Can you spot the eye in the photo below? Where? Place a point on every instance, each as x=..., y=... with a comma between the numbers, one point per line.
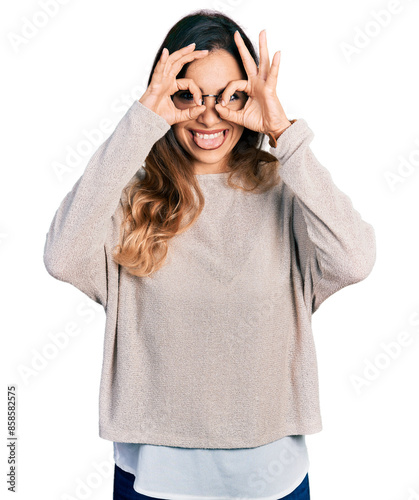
x=186, y=96
x=237, y=96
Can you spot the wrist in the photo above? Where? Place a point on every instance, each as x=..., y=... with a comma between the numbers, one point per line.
x=275, y=134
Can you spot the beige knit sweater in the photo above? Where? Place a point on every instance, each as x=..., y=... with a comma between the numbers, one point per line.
x=216, y=349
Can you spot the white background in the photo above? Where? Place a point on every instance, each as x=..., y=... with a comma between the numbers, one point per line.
x=355, y=80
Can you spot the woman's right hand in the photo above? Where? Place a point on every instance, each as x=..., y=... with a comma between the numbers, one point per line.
x=164, y=84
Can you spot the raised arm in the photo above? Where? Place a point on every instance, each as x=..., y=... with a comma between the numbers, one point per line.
x=335, y=246
x=74, y=248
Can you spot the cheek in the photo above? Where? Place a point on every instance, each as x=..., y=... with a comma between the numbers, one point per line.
x=184, y=133
x=237, y=132
x=179, y=134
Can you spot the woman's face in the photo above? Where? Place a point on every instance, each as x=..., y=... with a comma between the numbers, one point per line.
x=212, y=74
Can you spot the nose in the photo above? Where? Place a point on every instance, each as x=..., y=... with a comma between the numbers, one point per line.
x=210, y=116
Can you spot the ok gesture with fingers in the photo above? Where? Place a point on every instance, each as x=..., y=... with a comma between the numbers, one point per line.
x=164, y=83
x=263, y=111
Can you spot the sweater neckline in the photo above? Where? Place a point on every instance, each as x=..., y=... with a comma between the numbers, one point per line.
x=216, y=175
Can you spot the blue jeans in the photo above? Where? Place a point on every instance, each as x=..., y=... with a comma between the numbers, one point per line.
x=123, y=488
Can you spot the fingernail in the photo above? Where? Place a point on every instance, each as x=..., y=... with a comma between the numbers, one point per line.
x=223, y=102
x=190, y=45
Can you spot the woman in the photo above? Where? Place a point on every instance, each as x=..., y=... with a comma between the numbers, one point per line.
x=209, y=261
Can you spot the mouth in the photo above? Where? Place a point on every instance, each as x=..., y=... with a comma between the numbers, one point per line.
x=208, y=141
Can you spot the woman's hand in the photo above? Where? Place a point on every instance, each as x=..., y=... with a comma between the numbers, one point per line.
x=164, y=84
x=263, y=111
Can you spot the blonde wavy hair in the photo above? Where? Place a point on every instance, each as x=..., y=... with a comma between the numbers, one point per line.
x=167, y=200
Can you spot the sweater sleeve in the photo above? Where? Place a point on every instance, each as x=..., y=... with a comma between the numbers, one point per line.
x=335, y=247
x=74, y=249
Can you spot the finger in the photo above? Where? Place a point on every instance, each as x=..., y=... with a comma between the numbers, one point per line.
x=181, y=52
x=230, y=115
x=191, y=113
x=196, y=91
x=264, y=55
x=196, y=111
x=178, y=54
x=189, y=84
x=232, y=87
x=164, y=55
x=162, y=61
x=173, y=68
x=272, y=79
x=248, y=61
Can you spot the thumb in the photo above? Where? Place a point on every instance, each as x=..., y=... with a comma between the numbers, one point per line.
x=192, y=113
x=226, y=113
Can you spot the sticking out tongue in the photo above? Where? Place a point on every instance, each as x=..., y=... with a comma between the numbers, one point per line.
x=209, y=143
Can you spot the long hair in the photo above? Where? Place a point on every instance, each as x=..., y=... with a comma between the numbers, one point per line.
x=168, y=192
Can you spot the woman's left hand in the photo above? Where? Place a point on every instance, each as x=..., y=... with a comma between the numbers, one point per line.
x=263, y=111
